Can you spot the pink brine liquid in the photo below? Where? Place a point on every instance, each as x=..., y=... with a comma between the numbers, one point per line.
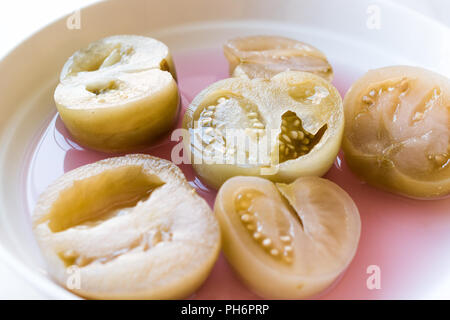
x=408, y=240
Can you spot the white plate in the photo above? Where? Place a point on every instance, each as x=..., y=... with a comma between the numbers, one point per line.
x=349, y=32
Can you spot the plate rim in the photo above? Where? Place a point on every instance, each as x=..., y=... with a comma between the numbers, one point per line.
x=42, y=283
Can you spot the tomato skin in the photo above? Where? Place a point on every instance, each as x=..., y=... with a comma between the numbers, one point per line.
x=385, y=141
x=392, y=180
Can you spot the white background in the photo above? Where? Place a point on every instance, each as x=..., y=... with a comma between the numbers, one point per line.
x=21, y=18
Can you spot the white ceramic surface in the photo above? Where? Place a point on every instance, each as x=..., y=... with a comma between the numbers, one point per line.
x=339, y=28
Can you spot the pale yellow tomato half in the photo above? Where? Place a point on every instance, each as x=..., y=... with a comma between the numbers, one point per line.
x=397, y=130
x=287, y=241
x=128, y=227
x=266, y=56
x=280, y=129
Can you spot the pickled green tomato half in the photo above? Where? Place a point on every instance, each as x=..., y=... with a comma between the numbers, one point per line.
x=287, y=241
x=266, y=56
x=397, y=130
x=119, y=93
x=132, y=228
x=280, y=129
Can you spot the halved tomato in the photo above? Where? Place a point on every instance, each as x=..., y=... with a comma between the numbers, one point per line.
x=287, y=241
x=397, y=130
x=281, y=129
x=266, y=56
x=131, y=227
